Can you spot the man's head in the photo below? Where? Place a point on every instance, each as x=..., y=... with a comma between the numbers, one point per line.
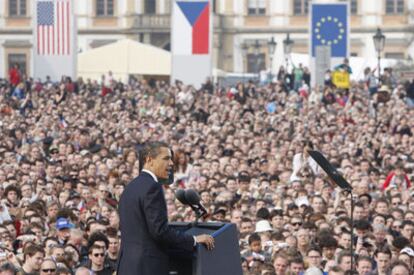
x=314, y=256
x=328, y=245
x=7, y=269
x=383, y=257
x=280, y=264
x=246, y=226
x=296, y=265
x=33, y=256
x=57, y=252
x=407, y=229
x=255, y=243
x=113, y=239
x=97, y=255
x=336, y=270
x=157, y=158
x=399, y=268
x=63, y=227
x=364, y=265
x=406, y=255
x=83, y=271
x=48, y=267
x=344, y=260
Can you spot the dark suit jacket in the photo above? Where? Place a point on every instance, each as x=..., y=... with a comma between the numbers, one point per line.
x=145, y=234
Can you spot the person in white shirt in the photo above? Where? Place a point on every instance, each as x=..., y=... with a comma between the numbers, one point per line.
x=302, y=160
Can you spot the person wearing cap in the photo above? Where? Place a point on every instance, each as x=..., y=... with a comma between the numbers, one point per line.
x=63, y=227
x=383, y=95
x=407, y=256
x=53, y=153
x=145, y=233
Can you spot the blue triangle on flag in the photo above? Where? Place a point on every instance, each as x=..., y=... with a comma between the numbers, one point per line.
x=192, y=10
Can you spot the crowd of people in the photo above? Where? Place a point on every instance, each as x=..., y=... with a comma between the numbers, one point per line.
x=68, y=149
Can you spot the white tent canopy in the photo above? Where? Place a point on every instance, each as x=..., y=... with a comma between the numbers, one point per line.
x=124, y=57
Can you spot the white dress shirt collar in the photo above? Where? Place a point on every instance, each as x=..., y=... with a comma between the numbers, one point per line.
x=151, y=174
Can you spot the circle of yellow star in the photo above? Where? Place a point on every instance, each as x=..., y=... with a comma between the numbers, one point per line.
x=328, y=41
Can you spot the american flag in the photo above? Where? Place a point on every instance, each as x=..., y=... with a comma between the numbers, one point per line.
x=53, y=27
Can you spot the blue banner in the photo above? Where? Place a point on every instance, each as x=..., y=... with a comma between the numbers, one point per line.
x=330, y=28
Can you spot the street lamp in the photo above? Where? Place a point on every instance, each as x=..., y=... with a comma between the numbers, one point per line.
x=287, y=49
x=379, y=42
x=244, y=48
x=271, y=44
x=256, y=48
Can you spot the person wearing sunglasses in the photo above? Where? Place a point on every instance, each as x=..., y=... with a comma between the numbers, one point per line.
x=97, y=259
x=48, y=267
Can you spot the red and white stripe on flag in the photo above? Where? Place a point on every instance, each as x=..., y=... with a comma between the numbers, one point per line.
x=53, y=27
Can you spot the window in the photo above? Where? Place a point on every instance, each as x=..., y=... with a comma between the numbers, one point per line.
x=394, y=6
x=256, y=63
x=104, y=7
x=353, y=4
x=213, y=6
x=300, y=7
x=19, y=59
x=256, y=7
x=394, y=55
x=17, y=7
x=168, y=7
x=150, y=6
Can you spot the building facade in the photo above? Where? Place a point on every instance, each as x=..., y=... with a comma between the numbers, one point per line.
x=237, y=23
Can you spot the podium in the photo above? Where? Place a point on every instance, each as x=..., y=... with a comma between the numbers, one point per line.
x=224, y=259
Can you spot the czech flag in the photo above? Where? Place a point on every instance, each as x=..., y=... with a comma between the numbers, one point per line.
x=191, y=28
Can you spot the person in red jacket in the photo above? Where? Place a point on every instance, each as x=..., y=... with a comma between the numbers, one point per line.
x=15, y=75
x=397, y=178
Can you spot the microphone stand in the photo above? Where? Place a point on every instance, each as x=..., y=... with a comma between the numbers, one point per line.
x=199, y=214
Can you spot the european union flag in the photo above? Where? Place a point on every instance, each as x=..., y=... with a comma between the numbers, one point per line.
x=330, y=28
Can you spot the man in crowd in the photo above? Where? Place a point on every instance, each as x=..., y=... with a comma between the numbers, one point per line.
x=65, y=163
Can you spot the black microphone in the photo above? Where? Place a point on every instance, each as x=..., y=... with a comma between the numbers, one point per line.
x=193, y=200
x=180, y=195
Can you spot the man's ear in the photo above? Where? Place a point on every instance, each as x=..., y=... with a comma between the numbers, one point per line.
x=148, y=161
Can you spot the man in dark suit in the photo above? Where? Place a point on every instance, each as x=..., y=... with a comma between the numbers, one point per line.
x=145, y=233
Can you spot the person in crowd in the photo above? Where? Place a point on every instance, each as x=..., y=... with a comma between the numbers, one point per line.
x=66, y=161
